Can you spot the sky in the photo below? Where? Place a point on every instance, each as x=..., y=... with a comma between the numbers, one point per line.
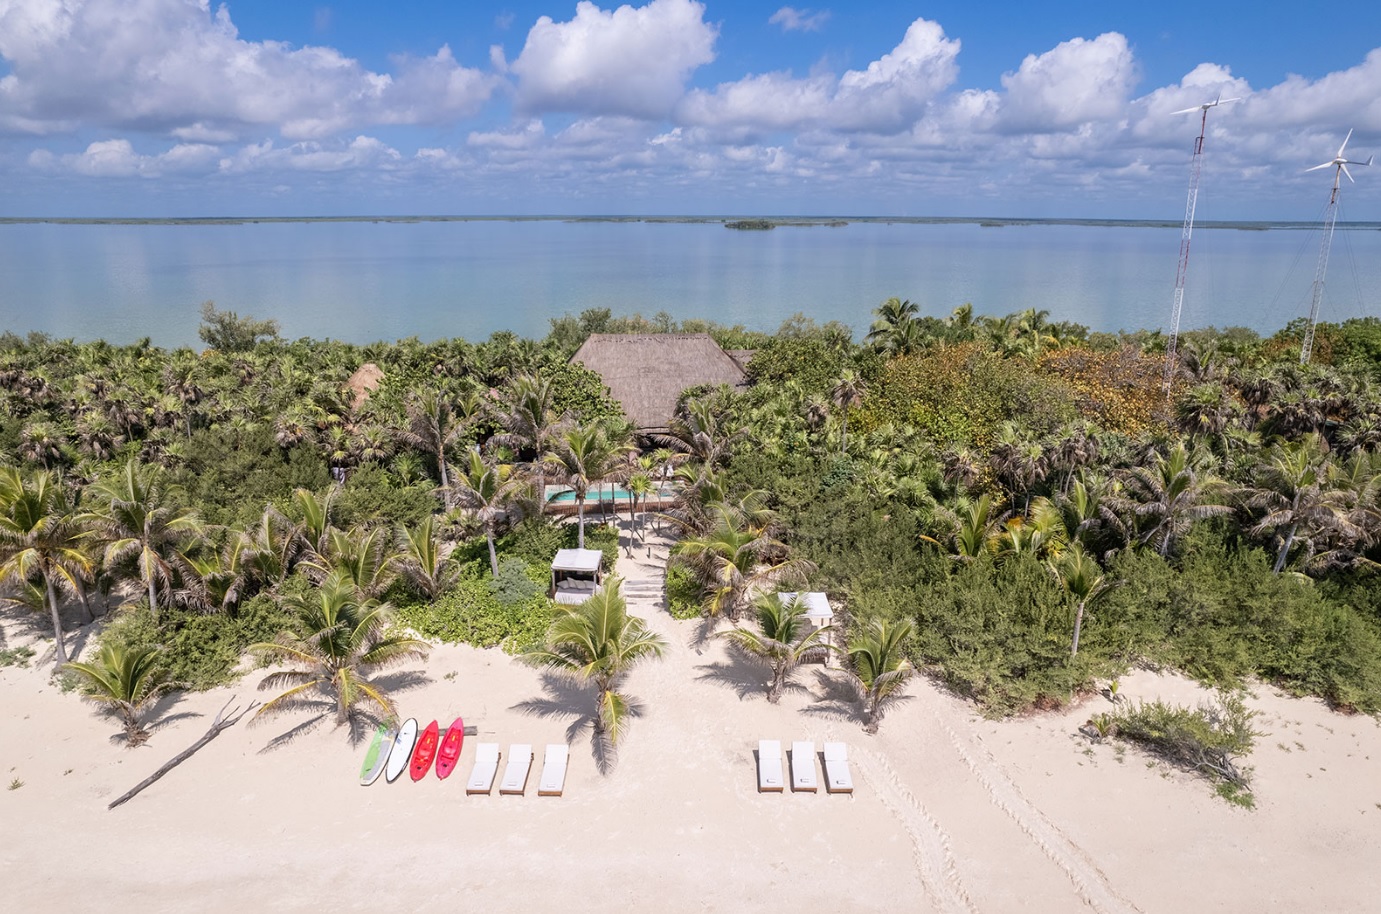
x=154, y=108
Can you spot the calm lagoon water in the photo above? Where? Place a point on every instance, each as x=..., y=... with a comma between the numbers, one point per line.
x=366, y=281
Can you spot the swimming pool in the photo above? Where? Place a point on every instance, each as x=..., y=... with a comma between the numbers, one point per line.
x=565, y=495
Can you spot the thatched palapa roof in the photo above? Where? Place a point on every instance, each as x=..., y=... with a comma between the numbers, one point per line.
x=648, y=372
x=364, y=382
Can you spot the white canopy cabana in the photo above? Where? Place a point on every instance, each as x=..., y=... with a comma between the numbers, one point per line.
x=818, y=613
x=576, y=574
x=817, y=606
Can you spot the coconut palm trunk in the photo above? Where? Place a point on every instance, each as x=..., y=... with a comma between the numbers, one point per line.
x=493, y=553
x=1078, y=626
x=1285, y=546
x=59, y=649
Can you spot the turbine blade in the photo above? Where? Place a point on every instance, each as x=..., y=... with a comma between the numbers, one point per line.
x=1224, y=101
x=1317, y=167
x=1344, y=146
x=1348, y=173
x=1188, y=110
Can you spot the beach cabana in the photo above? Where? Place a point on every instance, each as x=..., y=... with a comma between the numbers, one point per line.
x=818, y=612
x=576, y=575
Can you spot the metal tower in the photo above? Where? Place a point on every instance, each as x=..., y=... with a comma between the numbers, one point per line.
x=1195, y=167
x=1339, y=165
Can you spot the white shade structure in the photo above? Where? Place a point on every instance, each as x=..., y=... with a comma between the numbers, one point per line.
x=818, y=612
x=576, y=575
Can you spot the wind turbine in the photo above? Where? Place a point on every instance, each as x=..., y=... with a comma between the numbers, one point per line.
x=1195, y=167
x=1339, y=164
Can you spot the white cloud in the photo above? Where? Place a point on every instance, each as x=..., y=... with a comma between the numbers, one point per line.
x=888, y=96
x=173, y=66
x=631, y=61
x=361, y=153
x=520, y=137
x=794, y=20
x=1075, y=82
x=117, y=159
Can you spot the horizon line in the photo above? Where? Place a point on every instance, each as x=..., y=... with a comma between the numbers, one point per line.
x=775, y=220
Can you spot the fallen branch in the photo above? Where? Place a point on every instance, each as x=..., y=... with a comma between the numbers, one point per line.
x=222, y=722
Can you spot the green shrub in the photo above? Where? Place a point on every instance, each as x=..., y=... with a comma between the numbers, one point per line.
x=683, y=593
x=471, y=614
x=1210, y=739
x=371, y=496
x=232, y=474
x=201, y=651
x=517, y=583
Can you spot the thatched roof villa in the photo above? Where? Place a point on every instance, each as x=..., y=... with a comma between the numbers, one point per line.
x=648, y=372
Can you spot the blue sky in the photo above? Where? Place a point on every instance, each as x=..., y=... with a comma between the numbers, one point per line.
x=183, y=107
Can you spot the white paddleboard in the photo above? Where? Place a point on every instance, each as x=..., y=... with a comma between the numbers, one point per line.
x=401, y=754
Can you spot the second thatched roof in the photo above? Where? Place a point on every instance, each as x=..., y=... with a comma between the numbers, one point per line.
x=648, y=372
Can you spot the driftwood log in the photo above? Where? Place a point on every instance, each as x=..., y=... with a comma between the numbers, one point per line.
x=222, y=722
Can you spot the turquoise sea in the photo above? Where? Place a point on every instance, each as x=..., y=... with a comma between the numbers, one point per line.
x=369, y=280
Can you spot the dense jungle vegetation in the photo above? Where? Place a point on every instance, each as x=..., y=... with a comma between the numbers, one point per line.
x=1026, y=494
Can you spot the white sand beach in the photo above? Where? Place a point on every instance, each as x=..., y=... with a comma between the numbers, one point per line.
x=951, y=812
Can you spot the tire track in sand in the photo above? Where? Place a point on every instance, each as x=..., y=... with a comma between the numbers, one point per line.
x=930, y=843
x=1089, y=881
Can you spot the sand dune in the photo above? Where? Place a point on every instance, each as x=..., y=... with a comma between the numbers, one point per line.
x=951, y=812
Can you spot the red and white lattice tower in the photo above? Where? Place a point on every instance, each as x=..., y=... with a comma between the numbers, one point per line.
x=1195, y=168
x=1339, y=165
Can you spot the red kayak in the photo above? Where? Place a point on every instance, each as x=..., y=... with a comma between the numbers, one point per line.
x=426, y=751
x=450, y=749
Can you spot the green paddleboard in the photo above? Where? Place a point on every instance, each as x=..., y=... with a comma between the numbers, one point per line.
x=377, y=756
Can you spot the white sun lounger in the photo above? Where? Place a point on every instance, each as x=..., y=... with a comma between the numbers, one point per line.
x=838, y=777
x=769, y=766
x=803, y=767
x=515, y=774
x=554, y=770
x=486, y=766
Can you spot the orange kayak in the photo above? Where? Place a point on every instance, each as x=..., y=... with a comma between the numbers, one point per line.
x=450, y=749
x=426, y=751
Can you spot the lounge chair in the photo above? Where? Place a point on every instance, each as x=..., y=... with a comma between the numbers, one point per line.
x=515, y=774
x=803, y=777
x=554, y=770
x=769, y=766
x=838, y=777
x=486, y=766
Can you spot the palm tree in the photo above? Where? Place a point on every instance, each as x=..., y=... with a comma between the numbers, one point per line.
x=639, y=488
x=124, y=680
x=433, y=427
x=599, y=642
x=582, y=456
x=698, y=432
x=136, y=521
x=494, y=494
x=41, y=537
x=1171, y=495
x=880, y=667
x=1295, y=490
x=737, y=560
x=785, y=639
x=365, y=556
x=1084, y=580
x=531, y=423
x=973, y=525
x=894, y=331
x=338, y=639
x=423, y=561
x=847, y=393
